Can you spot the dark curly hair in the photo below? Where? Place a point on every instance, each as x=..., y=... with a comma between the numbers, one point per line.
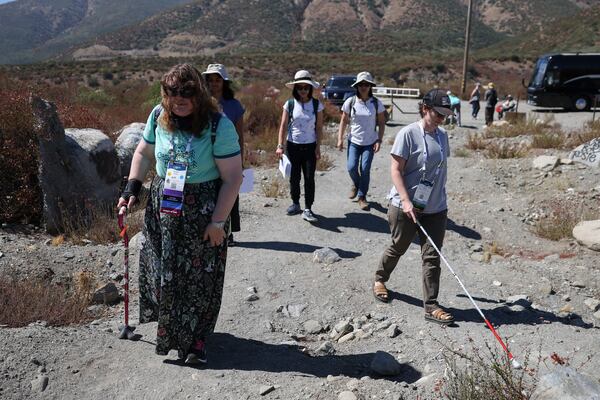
x=188, y=77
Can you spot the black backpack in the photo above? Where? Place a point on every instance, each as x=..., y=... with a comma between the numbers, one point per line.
x=375, y=103
x=289, y=106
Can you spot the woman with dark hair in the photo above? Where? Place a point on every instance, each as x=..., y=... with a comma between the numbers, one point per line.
x=419, y=168
x=220, y=88
x=302, y=119
x=364, y=113
x=196, y=154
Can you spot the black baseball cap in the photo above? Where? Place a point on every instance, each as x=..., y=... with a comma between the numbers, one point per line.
x=439, y=101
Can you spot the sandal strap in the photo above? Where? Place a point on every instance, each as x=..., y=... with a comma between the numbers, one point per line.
x=440, y=314
x=380, y=289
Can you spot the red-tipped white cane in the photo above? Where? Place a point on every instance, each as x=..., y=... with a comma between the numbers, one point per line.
x=515, y=364
x=125, y=331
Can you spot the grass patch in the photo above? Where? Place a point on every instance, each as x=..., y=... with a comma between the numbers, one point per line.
x=562, y=216
x=24, y=302
x=530, y=127
x=475, y=142
x=504, y=150
x=462, y=152
x=548, y=140
x=274, y=187
x=590, y=132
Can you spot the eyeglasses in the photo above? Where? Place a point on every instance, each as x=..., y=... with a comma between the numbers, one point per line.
x=186, y=92
x=303, y=88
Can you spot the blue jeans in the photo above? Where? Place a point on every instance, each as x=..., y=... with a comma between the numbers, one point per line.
x=362, y=155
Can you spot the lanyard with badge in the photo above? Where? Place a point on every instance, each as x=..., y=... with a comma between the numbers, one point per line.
x=172, y=198
x=425, y=186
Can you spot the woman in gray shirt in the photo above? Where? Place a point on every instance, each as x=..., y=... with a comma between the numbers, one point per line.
x=418, y=169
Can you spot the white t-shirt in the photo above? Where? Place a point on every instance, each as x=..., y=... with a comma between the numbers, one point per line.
x=302, y=130
x=364, y=121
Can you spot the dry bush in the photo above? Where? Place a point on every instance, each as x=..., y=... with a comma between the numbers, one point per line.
x=19, y=149
x=461, y=152
x=530, y=127
x=562, y=216
x=331, y=113
x=489, y=376
x=261, y=122
x=329, y=138
x=324, y=163
x=590, y=132
x=274, y=187
x=24, y=302
x=475, y=142
x=548, y=140
x=505, y=150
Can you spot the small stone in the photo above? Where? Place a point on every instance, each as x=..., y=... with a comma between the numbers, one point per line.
x=326, y=348
x=269, y=326
x=35, y=361
x=313, y=327
x=385, y=364
x=476, y=257
x=266, y=389
x=267, y=205
x=116, y=276
x=252, y=297
x=593, y=304
x=39, y=384
x=545, y=288
x=379, y=317
x=347, y=395
x=497, y=283
x=325, y=256
x=347, y=337
x=566, y=297
x=331, y=378
x=114, y=252
x=382, y=325
x=342, y=327
x=352, y=384
x=251, y=289
x=360, y=334
x=578, y=284
x=567, y=309
x=392, y=331
x=68, y=255
x=476, y=248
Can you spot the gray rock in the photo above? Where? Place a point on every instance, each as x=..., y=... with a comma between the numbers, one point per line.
x=325, y=256
x=352, y=384
x=588, y=153
x=127, y=140
x=347, y=337
x=313, y=327
x=116, y=276
x=68, y=255
x=593, y=304
x=392, y=331
x=587, y=233
x=326, y=348
x=293, y=310
x=80, y=165
x=578, y=284
x=426, y=380
x=347, y=395
x=545, y=163
x=343, y=327
x=497, y=283
x=564, y=383
x=545, y=288
x=39, y=384
x=476, y=248
x=252, y=297
x=382, y=325
x=385, y=364
x=597, y=315
x=379, y=316
x=106, y=294
x=266, y=389
x=476, y=257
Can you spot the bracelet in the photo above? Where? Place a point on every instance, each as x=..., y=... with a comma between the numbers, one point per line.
x=279, y=146
x=219, y=224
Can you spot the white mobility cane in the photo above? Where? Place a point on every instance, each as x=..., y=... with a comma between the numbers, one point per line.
x=515, y=363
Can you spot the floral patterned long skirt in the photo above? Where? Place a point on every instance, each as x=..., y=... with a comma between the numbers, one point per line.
x=181, y=275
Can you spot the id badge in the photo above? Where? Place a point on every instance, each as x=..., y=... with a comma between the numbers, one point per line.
x=422, y=194
x=172, y=198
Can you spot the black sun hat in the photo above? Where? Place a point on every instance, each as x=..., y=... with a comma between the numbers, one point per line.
x=438, y=100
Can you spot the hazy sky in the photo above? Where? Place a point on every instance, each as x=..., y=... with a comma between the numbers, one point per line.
x=5, y=1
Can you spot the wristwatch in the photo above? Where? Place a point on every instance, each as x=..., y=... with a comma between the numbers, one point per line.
x=219, y=224
x=280, y=146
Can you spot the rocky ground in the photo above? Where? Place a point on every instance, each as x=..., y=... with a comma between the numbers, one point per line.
x=281, y=329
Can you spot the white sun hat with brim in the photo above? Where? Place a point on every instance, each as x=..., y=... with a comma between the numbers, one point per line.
x=302, y=76
x=364, y=77
x=217, y=69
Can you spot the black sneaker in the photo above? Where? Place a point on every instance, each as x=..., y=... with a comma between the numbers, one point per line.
x=294, y=209
x=196, y=357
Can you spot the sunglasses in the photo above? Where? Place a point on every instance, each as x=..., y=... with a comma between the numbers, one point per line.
x=438, y=114
x=303, y=88
x=185, y=92
x=363, y=84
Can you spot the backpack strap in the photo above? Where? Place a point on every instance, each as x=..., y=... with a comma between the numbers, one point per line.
x=315, y=103
x=289, y=106
x=352, y=103
x=155, y=116
x=214, y=124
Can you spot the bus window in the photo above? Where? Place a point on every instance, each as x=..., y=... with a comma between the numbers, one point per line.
x=552, y=78
x=540, y=71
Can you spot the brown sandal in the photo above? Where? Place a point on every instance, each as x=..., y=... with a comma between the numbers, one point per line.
x=439, y=316
x=380, y=292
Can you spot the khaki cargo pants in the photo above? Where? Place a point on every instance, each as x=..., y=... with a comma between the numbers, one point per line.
x=403, y=231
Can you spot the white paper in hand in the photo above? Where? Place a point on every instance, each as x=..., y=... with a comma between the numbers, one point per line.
x=285, y=166
x=248, y=181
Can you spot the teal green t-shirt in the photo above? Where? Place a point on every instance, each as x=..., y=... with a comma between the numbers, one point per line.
x=201, y=163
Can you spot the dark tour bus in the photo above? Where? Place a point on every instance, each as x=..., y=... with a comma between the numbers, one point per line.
x=567, y=80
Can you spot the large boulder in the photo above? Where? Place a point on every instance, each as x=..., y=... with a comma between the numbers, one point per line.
x=79, y=171
x=128, y=138
x=587, y=233
x=588, y=153
x=564, y=383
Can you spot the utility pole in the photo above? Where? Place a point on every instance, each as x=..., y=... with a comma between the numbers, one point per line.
x=466, y=56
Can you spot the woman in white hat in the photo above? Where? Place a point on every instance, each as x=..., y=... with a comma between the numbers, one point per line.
x=300, y=137
x=220, y=88
x=364, y=113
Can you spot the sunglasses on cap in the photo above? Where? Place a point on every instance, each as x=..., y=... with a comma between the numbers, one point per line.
x=186, y=91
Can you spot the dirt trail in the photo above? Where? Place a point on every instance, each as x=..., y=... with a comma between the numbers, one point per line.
x=252, y=346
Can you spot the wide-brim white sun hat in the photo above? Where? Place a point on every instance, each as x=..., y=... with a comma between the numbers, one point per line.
x=364, y=77
x=217, y=69
x=302, y=76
